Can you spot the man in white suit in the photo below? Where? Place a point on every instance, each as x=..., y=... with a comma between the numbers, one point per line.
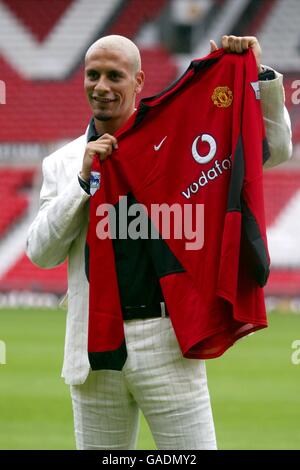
x=170, y=390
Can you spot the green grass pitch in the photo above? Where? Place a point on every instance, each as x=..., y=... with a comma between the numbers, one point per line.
x=254, y=387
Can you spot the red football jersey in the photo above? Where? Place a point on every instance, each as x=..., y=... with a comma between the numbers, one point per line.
x=200, y=142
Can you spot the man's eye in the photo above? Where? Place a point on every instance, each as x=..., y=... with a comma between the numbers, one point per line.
x=114, y=76
x=93, y=75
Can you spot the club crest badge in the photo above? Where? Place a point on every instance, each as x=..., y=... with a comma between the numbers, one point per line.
x=222, y=97
x=95, y=179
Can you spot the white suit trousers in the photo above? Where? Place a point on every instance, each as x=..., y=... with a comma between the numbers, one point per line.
x=170, y=390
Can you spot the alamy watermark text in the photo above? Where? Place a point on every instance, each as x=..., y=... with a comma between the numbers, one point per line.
x=167, y=221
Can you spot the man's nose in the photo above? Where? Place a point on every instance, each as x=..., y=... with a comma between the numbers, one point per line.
x=102, y=85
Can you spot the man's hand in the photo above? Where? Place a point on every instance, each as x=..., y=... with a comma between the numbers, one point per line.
x=239, y=44
x=102, y=147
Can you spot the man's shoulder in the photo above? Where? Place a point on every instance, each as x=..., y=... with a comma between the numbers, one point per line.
x=71, y=150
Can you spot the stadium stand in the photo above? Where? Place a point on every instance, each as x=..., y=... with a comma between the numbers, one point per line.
x=280, y=36
x=23, y=275
x=46, y=101
x=40, y=24
x=282, y=191
x=14, y=201
x=292, y=82
x=42, y=47
x=279, y=187
x=62, y=49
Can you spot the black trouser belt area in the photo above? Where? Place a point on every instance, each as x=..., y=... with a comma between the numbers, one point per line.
x=145, y=311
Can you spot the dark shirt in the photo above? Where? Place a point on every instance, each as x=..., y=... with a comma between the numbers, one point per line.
x=266, y=75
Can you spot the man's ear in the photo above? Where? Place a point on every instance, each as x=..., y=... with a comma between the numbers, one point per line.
x=140, y=80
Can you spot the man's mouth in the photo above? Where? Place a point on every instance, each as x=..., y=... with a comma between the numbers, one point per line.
x=103, y=100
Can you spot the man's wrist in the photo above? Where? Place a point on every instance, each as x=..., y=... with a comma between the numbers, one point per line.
x=84, y=177
x=84, y=183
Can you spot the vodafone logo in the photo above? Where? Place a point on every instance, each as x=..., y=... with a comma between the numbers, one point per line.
x=212, y=149
x=206, y=176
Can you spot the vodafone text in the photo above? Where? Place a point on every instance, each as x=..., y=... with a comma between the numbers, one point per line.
x=206, y=176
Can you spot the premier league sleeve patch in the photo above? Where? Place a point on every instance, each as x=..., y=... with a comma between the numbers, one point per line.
x=95, y=179
x=255, y=86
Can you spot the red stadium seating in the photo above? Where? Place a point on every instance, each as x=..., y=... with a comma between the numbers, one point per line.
x=25, y=276
x=279, y=187
x=45, y=14
x=283, y=282
x=13, y=202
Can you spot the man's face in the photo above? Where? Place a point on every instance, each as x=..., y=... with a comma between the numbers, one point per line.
x=111, y=85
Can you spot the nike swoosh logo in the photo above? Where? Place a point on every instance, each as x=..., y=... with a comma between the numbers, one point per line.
x=157, y=147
